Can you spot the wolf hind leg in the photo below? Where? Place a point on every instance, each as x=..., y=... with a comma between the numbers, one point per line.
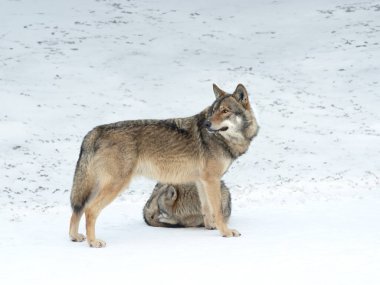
x=80, y=195
x=104, y=197
x=74, y=226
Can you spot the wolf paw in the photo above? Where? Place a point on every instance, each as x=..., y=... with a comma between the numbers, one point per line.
x=78, y=238
x=231, y=233
x=97, y=243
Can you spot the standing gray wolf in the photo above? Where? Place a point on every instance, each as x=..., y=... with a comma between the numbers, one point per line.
x=179, y=206
x=197, y=149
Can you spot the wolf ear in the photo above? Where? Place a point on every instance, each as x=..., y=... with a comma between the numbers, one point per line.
x=157, y=187
x=171, y=193
x=218, y=92
x=241, y=95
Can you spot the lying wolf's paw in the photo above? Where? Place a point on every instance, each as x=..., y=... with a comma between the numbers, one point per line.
x=97, y=243
x=209, y=222
x=210, y=226
x=231, y=233
x=78, y=238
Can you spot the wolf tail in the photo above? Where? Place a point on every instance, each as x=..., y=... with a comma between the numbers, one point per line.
x=84, y=182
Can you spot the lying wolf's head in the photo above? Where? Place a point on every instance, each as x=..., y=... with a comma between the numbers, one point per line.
x=231, y=115
x=158, y=210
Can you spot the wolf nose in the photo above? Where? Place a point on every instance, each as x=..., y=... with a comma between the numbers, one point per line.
x=207, y=124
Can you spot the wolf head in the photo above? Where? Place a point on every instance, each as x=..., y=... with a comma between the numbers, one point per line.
x=231, y=115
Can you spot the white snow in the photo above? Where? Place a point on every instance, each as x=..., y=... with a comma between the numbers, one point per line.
x=306, y=196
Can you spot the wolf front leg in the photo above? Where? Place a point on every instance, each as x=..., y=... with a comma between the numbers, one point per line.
x=208, y=219
x=212, y=193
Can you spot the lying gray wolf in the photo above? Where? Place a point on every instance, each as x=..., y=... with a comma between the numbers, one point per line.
x=179, y=206
x=197, y=149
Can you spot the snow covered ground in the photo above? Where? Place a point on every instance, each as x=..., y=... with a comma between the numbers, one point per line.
x=306, y=197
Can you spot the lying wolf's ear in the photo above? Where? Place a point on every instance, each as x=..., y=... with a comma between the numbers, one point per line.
x=157, y=187
x=241, y=95
x=171, y=194
x=218, y=92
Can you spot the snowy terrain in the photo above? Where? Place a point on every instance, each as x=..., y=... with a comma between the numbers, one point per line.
x=306, y=197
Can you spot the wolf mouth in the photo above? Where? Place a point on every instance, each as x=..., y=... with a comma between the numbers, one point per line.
x=218, y=130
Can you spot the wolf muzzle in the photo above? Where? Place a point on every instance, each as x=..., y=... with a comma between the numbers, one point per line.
x=207, y=124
